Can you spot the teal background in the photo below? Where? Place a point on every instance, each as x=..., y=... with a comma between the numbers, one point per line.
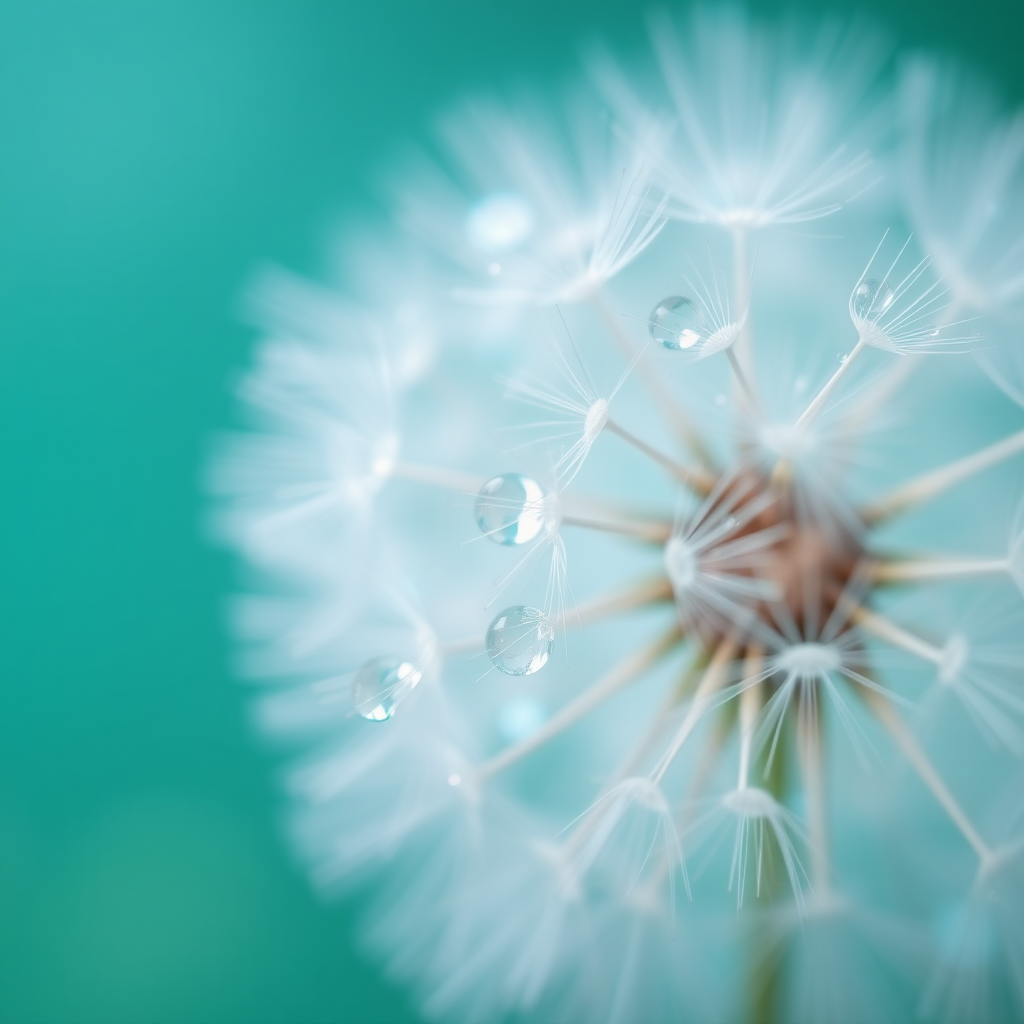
x=150, y=156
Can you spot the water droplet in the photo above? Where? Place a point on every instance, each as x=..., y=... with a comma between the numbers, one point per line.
x=500, y=221
x=381, y=684
x=510, y=509
x=871, y=299
x=454, y=779
x=841, y=357
x=677, y=323
x=519, y=640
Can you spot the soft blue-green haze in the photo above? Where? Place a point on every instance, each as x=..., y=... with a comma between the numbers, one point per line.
x=151, y=155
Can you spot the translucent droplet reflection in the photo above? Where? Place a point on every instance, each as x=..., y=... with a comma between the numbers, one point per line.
x=677, y=323
x=380, y=686
x=871, y=299
x=510, y=509
x=519, y=640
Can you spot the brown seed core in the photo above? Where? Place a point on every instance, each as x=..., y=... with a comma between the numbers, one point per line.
x=808, y=566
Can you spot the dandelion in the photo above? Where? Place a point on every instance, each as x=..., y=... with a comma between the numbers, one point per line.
x=613, y=724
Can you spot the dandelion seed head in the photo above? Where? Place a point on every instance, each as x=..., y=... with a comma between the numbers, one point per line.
x=578, y=573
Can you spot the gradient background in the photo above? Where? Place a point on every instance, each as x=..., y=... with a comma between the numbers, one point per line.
x=151, y=155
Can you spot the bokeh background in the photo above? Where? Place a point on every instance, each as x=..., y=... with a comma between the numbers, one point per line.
x=151, y=156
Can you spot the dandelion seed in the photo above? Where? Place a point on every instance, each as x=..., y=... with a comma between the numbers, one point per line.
x=631, y=836
x=757, y=116
x=565, y=210
x=679, y=324
x=901, y=313
x=979, y=970
x=963, y=184
x=758, y=817
x=979, y=663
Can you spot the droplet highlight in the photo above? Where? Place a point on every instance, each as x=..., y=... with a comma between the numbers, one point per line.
x=510, y=509
x=381, y=685
x=677, y=323
x=519, y=640
x=871, y=299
